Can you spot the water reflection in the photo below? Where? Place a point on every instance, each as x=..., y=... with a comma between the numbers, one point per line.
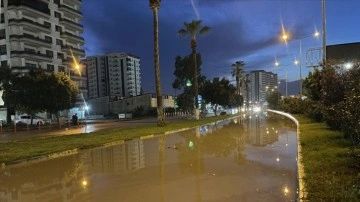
x=242, y=159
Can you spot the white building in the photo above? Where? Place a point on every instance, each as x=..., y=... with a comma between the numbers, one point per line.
x=261, y=84
x=43, y=34
x=114, y=74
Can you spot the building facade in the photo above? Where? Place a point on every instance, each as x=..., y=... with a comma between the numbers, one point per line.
x=43, y=34
x=261, y=84
x=106, y=106
x=114, y=74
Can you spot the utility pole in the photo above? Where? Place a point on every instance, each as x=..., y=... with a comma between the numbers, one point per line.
x=324, y=30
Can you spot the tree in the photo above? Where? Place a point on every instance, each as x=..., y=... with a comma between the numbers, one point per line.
x=247, y=89
x=183, y=77
x=312, y=84
x=185, y=101
x=38, y=91
x=192, y=29
x=218, y=92
x=154, y=6
x=6, y=76
x=184, y=71
x=273, y=99
x=61, y=93
x=236, y=100
x=238, y=72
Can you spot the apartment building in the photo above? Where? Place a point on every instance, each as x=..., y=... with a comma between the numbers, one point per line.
x=261, y=83
x=43, y=34
x=116, y=75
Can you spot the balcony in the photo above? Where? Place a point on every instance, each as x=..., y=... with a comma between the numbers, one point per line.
x=71, y=24
x=68, y=61
x=73, y=2
x=70, y=36
x=31, y=55
x=30, y=24
x=27, y=38
x=76, y=51
x=34, y=7
x=69, y=10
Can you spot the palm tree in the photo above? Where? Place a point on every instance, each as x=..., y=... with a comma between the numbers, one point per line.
x=192, y=29
x=238, y=73
x=154, y=6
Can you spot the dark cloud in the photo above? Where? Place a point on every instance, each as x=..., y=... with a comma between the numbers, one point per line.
x=127, y=26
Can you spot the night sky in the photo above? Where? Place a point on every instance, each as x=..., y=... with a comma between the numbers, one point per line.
x=247, y=30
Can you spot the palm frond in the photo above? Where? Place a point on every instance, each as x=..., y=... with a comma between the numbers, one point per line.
x=204, y=30
x=183, y=32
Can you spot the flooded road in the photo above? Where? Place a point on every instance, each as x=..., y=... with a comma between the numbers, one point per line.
x=242, y=159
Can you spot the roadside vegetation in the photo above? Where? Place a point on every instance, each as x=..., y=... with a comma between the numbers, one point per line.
x=13, y=152
x=329, y=131
x=331, y=171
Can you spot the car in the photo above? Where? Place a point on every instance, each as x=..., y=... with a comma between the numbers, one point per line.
x=26, y=119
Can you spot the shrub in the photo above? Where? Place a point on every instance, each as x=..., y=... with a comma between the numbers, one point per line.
x=292, y=105
x=350, y=123
x=138, y=111
x=152, y=112
x=313, y=110
x=332, y=115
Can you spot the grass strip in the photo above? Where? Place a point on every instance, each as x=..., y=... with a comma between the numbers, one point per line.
x=13, y=152
x=331, y=173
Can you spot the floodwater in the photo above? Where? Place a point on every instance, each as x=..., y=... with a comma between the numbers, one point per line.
x=243, y=159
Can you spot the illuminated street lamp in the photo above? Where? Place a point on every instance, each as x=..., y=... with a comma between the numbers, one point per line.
x=285, y=37
x=76, y=66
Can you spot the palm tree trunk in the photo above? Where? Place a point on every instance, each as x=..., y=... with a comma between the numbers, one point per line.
x=160, y=112
x=237, y=86
x=196, y=85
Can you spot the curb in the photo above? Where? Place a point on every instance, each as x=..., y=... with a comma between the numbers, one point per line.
x=300, y=166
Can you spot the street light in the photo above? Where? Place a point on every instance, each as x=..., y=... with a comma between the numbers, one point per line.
x=76, y=66
x=277, y=63
x=299, y=62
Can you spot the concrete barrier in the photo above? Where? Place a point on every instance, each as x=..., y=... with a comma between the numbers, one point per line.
x=300, y=166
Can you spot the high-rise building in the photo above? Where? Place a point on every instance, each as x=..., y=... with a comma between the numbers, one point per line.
x=261, y=84
x=114, y=74
x=43, y=34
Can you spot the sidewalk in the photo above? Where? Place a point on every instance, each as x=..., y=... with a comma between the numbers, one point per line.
x=91, y=126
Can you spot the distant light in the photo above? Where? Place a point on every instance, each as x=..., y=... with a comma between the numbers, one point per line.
x=257, y=109
x=84, y=183
x=86, y=107
x=277, y=159
x=277, y=63
x=296, y=62
x=348, y=65
x=316, y=34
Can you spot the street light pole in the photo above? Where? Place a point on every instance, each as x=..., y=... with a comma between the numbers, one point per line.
x=286, y=82
x=324, y=30
x=300, y=67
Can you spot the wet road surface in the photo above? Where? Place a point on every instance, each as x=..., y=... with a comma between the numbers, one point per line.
x=235, y=160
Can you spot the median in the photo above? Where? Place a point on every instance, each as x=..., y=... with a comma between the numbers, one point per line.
x=38, y=148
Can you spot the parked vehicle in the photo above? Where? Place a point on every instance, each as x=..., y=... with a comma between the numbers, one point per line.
x=26, y=119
